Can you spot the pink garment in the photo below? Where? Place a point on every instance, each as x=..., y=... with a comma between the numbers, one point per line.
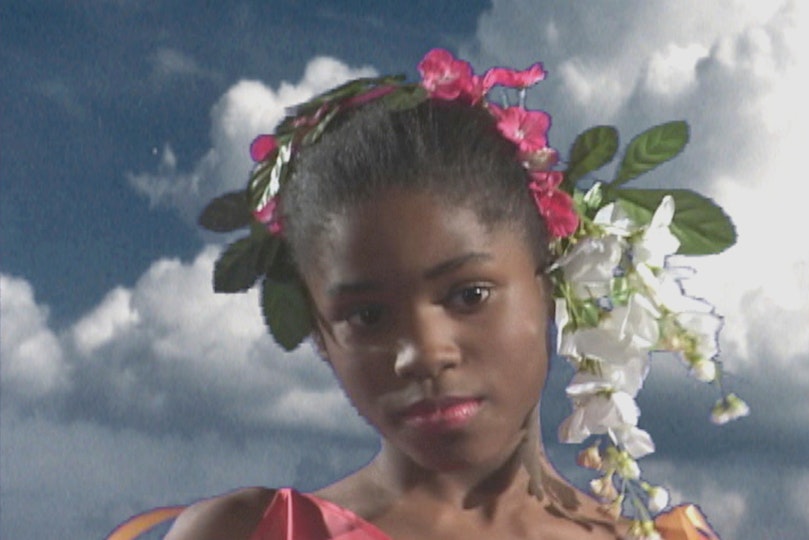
x=296, y=516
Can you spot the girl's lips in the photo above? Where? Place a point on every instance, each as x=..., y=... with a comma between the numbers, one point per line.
x=442, y=414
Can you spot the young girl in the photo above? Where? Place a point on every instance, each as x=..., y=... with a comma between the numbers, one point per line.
x=412, y=231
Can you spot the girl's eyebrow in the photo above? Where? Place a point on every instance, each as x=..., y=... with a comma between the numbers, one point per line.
x=431, y=273
x=455, y=263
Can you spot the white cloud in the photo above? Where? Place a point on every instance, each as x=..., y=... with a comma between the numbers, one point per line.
x=247, y=109
x=673, y=70
x=112, y=317
x=797, y=497
x=33, y=365
x=168, y=352
x=169, y=62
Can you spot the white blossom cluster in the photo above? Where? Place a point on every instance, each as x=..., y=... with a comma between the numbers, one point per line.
x=618, y=300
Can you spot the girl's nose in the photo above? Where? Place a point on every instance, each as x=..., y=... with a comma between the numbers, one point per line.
x=431, y=346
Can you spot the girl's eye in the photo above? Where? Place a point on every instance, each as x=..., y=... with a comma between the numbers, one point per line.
x=469, y=297
x=366, y=316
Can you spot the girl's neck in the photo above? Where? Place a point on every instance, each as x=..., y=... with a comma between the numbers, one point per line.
x=463, y=488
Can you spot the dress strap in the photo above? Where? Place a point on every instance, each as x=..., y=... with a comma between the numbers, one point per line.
x=142, y=523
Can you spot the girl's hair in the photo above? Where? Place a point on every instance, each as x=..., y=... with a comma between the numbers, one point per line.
x=446, y=148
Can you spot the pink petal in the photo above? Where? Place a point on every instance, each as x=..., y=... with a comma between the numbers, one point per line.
x=268, y=216
x=557, y=209
x=446, y=77
x=513, y=78
x=546, y=180
x=261, y=147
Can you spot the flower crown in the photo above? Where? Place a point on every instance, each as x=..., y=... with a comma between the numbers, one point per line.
x=618, y=298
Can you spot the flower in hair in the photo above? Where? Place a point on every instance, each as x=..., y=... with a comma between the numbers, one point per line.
x=513, y=78
x=555, y=206
x=268, y=215
x=262, y=148
x=527, y=129
x=446, y=77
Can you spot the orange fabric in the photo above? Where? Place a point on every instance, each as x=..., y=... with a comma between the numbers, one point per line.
x=144, y=522
x=685, y=522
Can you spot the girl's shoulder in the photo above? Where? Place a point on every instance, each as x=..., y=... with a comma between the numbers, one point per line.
x=233, y=515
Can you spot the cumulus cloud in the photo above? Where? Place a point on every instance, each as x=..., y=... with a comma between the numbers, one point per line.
x=168, y=355
x=33, y=363
x=247, y=109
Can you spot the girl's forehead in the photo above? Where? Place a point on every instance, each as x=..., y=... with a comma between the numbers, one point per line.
x=401, y=235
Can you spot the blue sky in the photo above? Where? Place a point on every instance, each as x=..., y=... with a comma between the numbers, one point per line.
x=127, y=384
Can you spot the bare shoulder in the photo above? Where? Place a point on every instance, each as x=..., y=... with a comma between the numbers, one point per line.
x=234, y=516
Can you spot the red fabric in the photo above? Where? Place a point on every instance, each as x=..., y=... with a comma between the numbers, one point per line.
x=296, y=516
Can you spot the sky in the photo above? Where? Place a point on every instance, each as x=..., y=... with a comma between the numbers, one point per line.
x=126, y=384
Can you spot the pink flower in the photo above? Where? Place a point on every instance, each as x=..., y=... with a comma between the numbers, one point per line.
x=528, y=129
x=512, y=78
x=446, y=77
x=262, y=147
x=546, y=180
x=268, y=216
x=555, y=206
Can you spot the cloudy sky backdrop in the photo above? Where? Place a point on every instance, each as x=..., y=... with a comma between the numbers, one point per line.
x=127, y=384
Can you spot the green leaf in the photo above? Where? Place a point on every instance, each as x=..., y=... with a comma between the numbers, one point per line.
x=314, y=134
x=591, y=150
x=236, y=269
x=226, y=213
x=404, y=97
x=286, y=312
x=700, y=224
x=651, y=148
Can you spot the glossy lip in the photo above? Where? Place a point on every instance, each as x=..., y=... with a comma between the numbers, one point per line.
x=444, y=414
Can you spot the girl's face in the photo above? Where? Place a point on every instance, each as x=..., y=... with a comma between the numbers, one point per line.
x=435, y=327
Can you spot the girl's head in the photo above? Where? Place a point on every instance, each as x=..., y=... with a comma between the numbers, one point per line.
x=448, y=149
x=422, y=252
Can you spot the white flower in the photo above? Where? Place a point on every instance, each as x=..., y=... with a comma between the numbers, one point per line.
x=704, y=327
x=597, y=414
x=729, y=408
x=590, y=265
x=657, y=242
x=627, y=332
x=635, y=441
x=614, y=220
x=658, y=499
x=637, y=321
x=704, y=370
x=665, y=288
x=627, y=377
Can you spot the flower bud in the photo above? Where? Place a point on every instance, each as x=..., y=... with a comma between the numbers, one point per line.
x=658, y=498
x=590, y=458
x=604, y=488
x=729, y=408
x=704, y=370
